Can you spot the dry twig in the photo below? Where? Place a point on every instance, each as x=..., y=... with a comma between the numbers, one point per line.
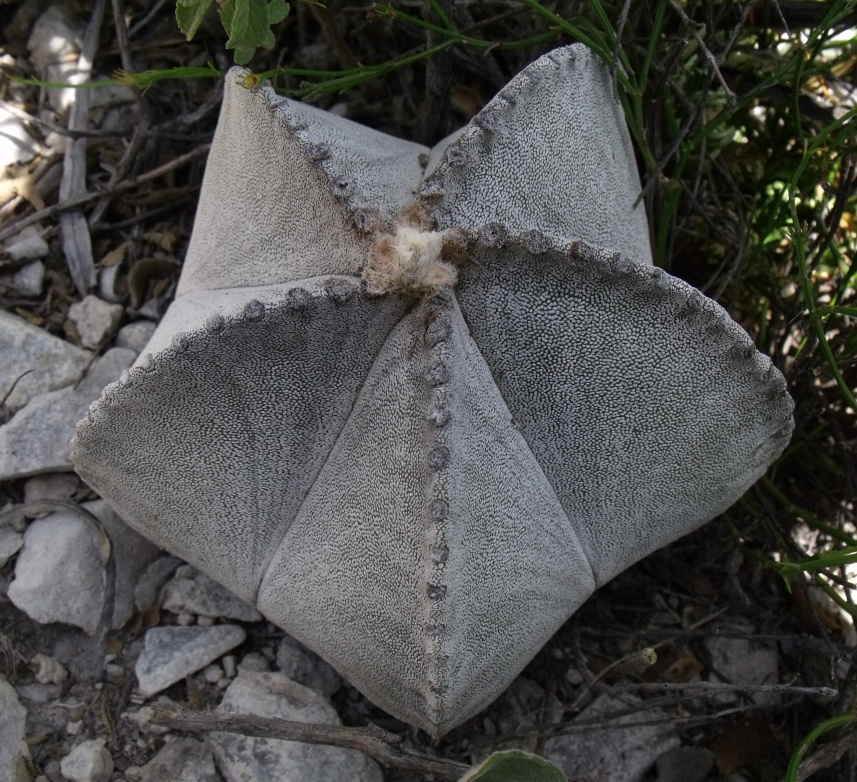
x=372, y=740
x=53, y=210
x=827, y=755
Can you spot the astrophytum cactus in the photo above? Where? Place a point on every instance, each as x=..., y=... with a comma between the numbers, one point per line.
x=416, y=405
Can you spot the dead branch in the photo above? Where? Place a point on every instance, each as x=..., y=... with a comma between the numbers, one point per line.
x=372, y=740
x=780, y=689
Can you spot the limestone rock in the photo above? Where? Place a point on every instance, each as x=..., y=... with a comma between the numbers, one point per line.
x=95, y=319
x=10, y=542
x=181, y=760
x=135, y=335
x=90, y=761
x=51, y=486
x=55, y=362
x=59, y=575
x=28, y=280
x=171, y=653
x=15, y=764
x=29, y=248
x=615, y=755
x=37, y=438
x=240, y=758
x=147, y=591
x=49, y=670
x=191, y=591
x=742, y=661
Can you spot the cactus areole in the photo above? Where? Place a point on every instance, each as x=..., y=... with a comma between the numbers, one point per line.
x=417, y=404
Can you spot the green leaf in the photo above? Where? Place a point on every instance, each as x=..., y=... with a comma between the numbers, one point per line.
x=189, y=15
x=515, y=766
x=248, y=24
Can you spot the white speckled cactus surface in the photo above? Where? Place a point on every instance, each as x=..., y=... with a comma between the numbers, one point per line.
x=416, y=405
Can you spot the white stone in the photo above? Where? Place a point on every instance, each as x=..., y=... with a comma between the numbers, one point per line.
x=29, y=248
x=195, y=593
x=241, y=758
x=171, y=653
x=55, y=362
x=28, y=280
x=147, y=590
x=90, y=761
x=95, y=319
x=37, y=438
x=135, y=335
x=181, y=760
x=212, y=673
x=49, y=669
x=230, y=666
x=59, y=575
x=614, y=755
x=16, y=144
x=15, y=763
x=253, y=661
x=741, y=661
x=10, y=542
x=51, y=486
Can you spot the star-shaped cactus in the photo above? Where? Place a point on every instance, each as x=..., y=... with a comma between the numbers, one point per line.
x=416, y=405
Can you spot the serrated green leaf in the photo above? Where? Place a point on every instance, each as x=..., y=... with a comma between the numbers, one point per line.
x=248, y=24
x=515, y=766
x=189, y=14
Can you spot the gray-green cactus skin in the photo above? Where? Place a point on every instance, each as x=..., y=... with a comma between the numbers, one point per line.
x=423, y=482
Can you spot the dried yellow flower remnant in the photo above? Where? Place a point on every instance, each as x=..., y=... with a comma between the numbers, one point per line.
x=408, y=260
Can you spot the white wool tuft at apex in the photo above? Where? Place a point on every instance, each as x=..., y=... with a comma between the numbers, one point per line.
x=409, y=260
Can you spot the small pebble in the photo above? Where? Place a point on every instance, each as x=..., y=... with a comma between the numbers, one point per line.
x=88, y=762
x=95, y=320
x=49, y=669
x=253, y=661
x=28, y=280
x=29, y=248
x=135, y=335
x=212, y=673
x=229, y=665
